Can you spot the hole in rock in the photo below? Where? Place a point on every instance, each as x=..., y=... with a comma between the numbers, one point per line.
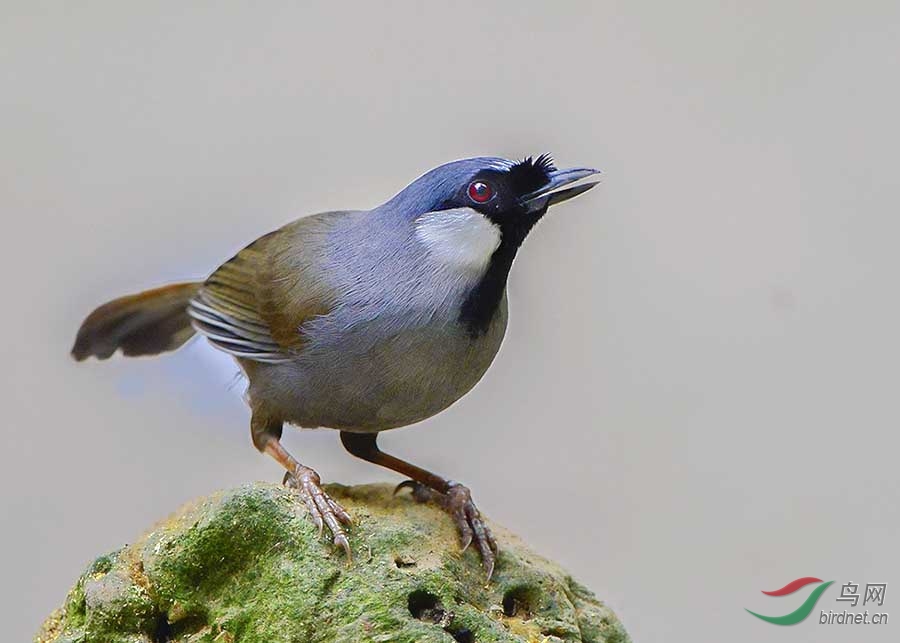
x=520, y=601
x=425, y=606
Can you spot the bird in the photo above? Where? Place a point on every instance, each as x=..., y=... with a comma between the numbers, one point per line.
x=360, y=320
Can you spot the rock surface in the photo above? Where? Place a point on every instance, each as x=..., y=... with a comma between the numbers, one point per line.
x=247, y=566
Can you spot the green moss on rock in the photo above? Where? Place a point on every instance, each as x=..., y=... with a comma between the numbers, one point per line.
x=248, y=566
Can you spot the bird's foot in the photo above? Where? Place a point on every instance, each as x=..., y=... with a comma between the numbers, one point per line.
x=321, y=507
x=458, y=503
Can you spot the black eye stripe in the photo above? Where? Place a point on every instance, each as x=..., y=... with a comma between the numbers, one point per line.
x=507, y=183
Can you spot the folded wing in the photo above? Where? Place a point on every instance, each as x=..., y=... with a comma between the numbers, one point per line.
x=253, y=306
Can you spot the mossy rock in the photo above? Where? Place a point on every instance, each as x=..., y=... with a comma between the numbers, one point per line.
x=248, y=566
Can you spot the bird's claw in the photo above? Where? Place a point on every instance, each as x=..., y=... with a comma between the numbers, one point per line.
x=420, y=492
x=323, y=510
x=472, y=528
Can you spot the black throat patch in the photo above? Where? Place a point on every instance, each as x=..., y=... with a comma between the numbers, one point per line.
x=480, y=305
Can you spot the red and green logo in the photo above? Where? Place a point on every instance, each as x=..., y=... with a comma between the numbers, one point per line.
x=801, y=612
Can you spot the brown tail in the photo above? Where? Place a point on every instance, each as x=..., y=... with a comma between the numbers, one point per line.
x=151, y=322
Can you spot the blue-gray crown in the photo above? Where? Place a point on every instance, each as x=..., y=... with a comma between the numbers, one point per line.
x=440, y=186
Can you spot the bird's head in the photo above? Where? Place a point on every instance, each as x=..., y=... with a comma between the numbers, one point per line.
x=465, y=210
x=471, y=216
x=506, y=192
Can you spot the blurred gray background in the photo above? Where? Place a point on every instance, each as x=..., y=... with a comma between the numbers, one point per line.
x=697, y=398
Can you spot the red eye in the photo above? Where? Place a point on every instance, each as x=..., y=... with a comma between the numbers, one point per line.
x=480, y=192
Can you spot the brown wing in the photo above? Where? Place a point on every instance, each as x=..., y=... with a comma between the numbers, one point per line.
x=253, y=306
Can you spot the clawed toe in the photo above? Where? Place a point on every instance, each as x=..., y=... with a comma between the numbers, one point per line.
x=340, y=540
x=472, y=528
x=420, y=492
x=323, y=510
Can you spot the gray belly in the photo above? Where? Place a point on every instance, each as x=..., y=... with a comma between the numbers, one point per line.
x=377, y=375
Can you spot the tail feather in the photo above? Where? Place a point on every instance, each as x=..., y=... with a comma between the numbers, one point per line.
x=151, y=322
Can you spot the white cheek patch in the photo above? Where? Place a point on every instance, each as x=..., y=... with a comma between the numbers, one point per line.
x=460, y=237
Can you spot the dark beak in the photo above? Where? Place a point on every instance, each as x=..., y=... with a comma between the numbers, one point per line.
x=551, y=194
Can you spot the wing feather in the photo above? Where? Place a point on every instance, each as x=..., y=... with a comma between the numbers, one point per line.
x=253, y=306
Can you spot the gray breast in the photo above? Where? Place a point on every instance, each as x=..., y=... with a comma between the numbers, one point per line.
x=371, y=384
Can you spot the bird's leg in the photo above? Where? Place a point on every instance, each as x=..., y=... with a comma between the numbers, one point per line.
x=324, y=510
x=452, y=496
